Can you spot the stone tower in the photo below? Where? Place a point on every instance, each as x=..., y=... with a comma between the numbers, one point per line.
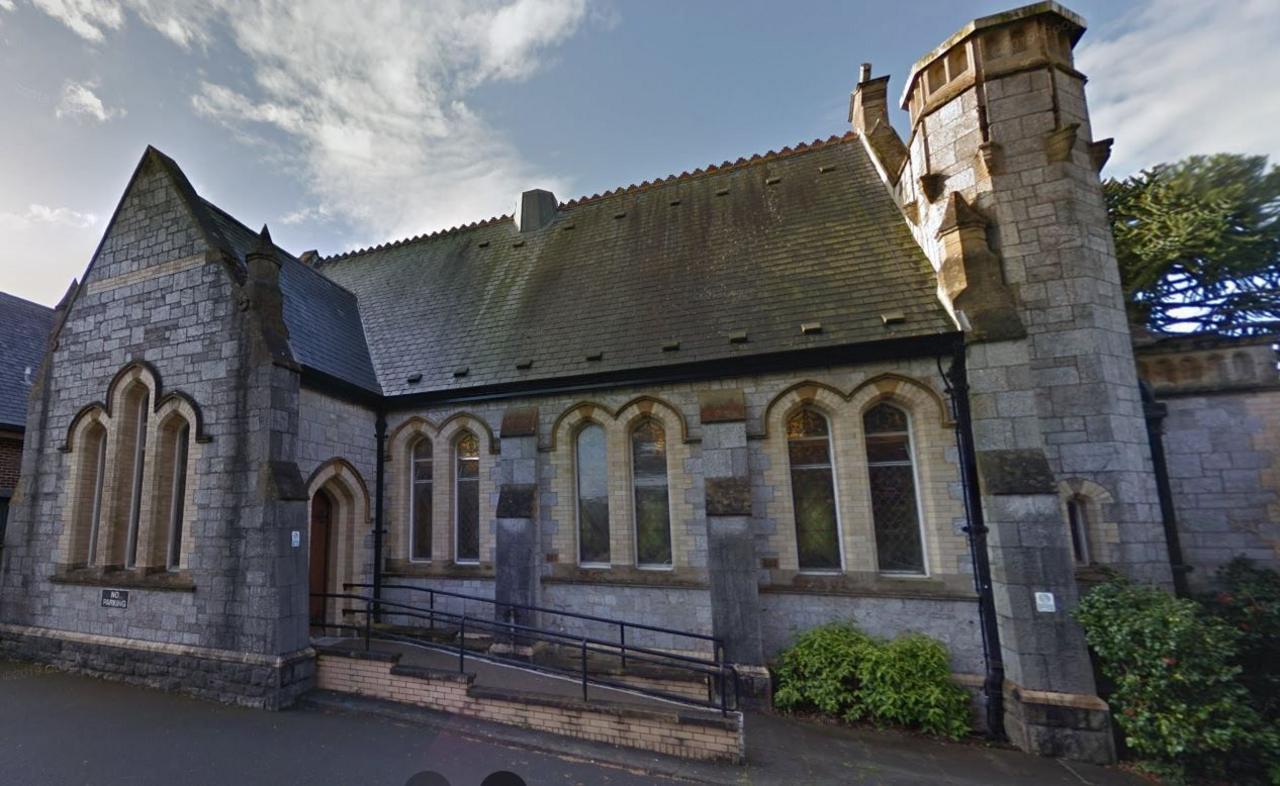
x=999, y=181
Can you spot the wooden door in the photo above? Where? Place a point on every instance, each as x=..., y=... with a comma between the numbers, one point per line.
x=321, y=526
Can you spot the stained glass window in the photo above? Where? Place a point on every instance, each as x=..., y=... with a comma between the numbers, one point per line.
x=593, y=496
x=420, y=501
x=467, y=520
x=649, y=477
x=893, y=490
x=813, y=491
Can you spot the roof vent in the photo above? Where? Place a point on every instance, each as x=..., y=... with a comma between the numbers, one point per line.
x=772, y=181
x=671, y=346
x=535, y=209
x=810, y=328
x=595, y=356
x=413, y=379
x=722, y=192
x=738, y=337
x=893, y=317
x=26, y=376
x=459, y=373
x=524, y=365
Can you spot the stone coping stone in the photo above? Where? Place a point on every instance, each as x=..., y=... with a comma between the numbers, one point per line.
x=426, y=673
x=125, y=579
x=732, y=721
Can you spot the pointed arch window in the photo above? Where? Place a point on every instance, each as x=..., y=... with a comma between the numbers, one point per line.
x=651, y=494
x=135, y=447
x=467, y=499
x=593, y=496
x=92, y=474
x=420, y=501
x=894, y=508
x=813, y=491
x=178, y=496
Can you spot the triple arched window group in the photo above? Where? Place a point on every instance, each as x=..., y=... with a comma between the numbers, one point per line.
x=891, y=476
x=129, y=499
x=465, y=480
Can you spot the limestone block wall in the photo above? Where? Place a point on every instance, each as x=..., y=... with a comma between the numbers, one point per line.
x=155, y=297
x=1223, y=454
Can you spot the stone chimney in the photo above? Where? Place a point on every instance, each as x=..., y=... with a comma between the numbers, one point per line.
x=869, y=114
x=536, y=209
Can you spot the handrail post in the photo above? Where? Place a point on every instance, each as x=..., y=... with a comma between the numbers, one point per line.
x=368, y=622
x=622, y=637
x=724, y=694
x=431, y=599
x=462, y=644
x=584, y=669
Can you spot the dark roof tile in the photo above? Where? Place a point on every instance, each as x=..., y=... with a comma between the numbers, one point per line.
x=24, y=329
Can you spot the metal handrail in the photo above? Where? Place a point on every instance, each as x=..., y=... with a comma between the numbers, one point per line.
x=716, y=643
x=717, y=675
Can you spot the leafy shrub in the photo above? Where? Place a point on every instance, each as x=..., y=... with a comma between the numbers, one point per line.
x=1176, y=695
x=842, y=672
x=1250, y=603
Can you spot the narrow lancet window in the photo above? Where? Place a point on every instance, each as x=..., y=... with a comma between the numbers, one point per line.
x=649, y=478
x=467, y=499
x=178, y=496
x=138, y=424
x=893, y=490
x=593, y=496
x=420, y=501
x=813, y=492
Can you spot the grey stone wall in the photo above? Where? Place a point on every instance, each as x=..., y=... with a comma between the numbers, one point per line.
x=665, y=607
x=330, y=428
x=1223, y=454
x=953, y=622
x=156, y=293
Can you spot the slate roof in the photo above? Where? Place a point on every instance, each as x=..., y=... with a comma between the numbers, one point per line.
x=761, y=247
x=325, y=332
x=24, y=328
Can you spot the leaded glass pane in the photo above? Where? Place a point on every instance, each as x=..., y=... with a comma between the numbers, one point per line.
x=653, y=514
x=593, y=496
x=893, y=491
x=813, y=492
x=420, y=507
x=468, y=499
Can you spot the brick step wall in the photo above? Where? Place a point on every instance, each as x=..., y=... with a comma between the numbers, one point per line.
x=688, y=734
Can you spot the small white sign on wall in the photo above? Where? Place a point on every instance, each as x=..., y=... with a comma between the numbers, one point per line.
x=296, y=537
x=1045, y=602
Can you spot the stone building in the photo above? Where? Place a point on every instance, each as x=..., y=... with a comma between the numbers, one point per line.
x=882, y=377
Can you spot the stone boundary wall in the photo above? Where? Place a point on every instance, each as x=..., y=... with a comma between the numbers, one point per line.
x=377, y=675
x=244, y=679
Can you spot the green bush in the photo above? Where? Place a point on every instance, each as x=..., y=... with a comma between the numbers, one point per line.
x=842, y=672
x=1249, y=602
x=1176, y=697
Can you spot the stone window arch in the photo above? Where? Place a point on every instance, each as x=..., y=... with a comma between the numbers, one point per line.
x=127, y=457
x=812, y=468
x=466, y=497
x=651, y=494
x=165, y=532
x=591, y=487
x=87, y=482
x=893, y=489
x=1091, y=535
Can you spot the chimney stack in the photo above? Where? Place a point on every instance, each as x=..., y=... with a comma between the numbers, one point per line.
x=536, y=209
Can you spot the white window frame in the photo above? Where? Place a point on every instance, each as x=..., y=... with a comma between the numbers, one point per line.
x=577, y=496
x=413, y=498
x=457, y=497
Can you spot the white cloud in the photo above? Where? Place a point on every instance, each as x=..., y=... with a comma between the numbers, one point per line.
x=79, y=100
x=43, y=214
x=374, y=104
x=89, y=19
x=1178, y=78
x=6, y=5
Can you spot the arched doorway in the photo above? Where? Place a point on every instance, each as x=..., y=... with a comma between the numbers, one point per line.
x=321, y=536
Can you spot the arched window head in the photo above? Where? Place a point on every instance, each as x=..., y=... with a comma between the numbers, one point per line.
x=1078, y=522
x=650, y=487
x=420, y=500
x=593, y=496
x=894, y=510
x=813, y=491
x=467, y=498
x=91, y=460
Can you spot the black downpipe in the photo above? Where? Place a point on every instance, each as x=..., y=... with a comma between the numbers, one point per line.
x=1155, y=413
x=380, y=437
x=957, y=382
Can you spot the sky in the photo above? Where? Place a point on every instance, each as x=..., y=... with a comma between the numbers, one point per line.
x=344, y=124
